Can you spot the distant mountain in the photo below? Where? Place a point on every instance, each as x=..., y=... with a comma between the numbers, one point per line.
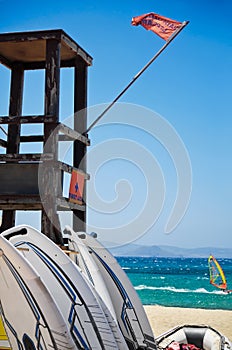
x=170, y=251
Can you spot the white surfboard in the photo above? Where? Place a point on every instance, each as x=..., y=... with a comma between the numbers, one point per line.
x=80, y=255
x=79, y=306
x=87, y=264
x=129, y=310
x=30, y=316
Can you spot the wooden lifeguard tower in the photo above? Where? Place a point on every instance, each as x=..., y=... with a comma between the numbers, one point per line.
x=51, y=51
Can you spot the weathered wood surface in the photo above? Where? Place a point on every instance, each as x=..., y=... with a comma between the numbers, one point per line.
x=49, y=50
x=73, y=134
x=3, y=143
x=15, y=157
x=80, y=125
x=28, y=119
x=13, y=135
x=69, y=168
x=63, y=204
x=30, y=48
x=23, y=202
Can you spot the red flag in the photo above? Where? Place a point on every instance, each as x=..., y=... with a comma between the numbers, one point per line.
x=76, y=187
x=162, y=26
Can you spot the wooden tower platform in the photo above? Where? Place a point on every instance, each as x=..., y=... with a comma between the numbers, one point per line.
x=51, y=51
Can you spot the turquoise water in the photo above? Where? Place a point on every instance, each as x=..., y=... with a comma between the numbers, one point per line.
x=181, y=282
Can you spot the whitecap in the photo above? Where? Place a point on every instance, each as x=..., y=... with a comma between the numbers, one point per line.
x=178, y=290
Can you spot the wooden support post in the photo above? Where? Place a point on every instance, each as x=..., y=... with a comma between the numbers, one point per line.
x=13, y=139
x=80, y=125
x=51, y=181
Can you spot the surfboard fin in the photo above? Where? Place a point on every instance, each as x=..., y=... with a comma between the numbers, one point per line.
x=82, y=235
x=93, y=234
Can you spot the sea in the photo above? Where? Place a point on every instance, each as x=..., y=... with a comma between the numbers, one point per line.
x=180, y=282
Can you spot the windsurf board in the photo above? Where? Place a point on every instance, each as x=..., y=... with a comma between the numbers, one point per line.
x=30, y=316
x=129, y=310
x=79, y=253
x=68, y=287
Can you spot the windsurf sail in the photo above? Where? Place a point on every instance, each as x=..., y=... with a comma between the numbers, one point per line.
x=216, y=274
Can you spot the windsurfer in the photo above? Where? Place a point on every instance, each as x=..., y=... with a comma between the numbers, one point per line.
x=217, y=276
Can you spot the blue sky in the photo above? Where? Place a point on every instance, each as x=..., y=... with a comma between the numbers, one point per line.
x=189, y=85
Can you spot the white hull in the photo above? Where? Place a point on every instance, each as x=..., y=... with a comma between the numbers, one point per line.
x=80, y=308
x=30, y=316
x=88, y=266
x=129, y=310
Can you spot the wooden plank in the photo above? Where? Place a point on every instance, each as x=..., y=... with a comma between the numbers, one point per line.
x=73, y=135
x=19, y=178
x=41, y=64
x=62, y=137
x=8, y=207
x=34, y=65
x=63, y=204
x=35, y=138
x=64, y=63
x=9, y=202
x=65, y=138
x=29, y=119
x=30, y=35
x=69, y=168
x=76, y=48
x=3, y=143
x=15, y=157
x=69, y=252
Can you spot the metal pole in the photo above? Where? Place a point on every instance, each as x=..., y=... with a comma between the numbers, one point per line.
x=138, y=75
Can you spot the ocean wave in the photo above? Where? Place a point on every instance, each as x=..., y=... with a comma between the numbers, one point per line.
x=179, y=290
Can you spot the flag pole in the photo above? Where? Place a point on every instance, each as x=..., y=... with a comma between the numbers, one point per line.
x=138, y=75
x=3, y=130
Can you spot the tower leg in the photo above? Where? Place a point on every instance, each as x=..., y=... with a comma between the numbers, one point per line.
x=80, y=125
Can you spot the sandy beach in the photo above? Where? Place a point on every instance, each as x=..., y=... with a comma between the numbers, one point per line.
x=163, y=318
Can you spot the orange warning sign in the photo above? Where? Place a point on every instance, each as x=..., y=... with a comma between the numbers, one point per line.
x=76, y=187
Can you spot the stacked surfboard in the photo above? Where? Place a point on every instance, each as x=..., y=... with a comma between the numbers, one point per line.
x=72, y=298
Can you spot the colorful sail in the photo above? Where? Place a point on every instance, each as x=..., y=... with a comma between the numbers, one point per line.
x=217, y=277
